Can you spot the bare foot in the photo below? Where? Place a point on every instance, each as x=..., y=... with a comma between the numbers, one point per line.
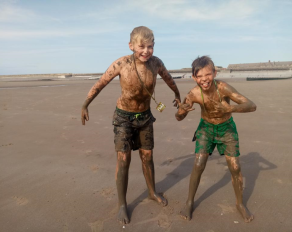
x=159, y=198
x=186, y=212
x=123, y=215
x=247, y=216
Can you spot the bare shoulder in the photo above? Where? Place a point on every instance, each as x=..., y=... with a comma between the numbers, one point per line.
x=225, y=87
x=117, y=67
x=221, y=84
x=194, y=94
x=123, y=61
x=155, y=61
x=121, y=64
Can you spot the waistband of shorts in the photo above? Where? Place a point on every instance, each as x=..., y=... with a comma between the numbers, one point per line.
x=127, y=113
x=221, y=124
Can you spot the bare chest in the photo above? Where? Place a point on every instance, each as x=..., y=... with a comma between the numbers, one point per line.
x=132, y=79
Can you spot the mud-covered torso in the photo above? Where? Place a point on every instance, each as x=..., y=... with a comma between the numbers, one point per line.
x=134, y=98
x=208, y=110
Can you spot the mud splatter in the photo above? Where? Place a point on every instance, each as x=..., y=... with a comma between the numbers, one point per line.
x=20, y=200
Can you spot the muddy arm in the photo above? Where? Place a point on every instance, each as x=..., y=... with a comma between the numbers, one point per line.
x=165, y=75
x=243, y=103
x=106, y=78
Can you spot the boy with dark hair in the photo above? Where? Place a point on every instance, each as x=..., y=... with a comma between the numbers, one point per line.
x=133, y=120
x=215, y=128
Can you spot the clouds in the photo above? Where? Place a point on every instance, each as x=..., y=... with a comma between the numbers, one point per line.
x=185, y=10
x=26, y=22
x=46, y=34
x=15, y=14
x=86, y=36
x=20, y=23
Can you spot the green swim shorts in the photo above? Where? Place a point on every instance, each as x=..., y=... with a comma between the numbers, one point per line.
x=223, y=135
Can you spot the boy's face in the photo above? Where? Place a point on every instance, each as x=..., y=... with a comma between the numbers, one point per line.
x=205, y=77
x=143, y=50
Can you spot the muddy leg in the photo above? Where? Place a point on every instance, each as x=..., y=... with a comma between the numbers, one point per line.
x=148, y=171
x=199, y=167
x=122, y=174
x=235, y=169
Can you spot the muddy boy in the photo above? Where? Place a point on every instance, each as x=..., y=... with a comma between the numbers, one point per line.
x=133, y=120
x=216, y=128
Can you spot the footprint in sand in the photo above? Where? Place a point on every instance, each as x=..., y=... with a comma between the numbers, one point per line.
x=94, y=168
x=65, y=228
x=96, y=226
x=226, y=208
x=20, y=200
x=167, y=162
x=5, y=145
x=64, y=136
x=108, y=193
x=278, y=180
x=163, y=221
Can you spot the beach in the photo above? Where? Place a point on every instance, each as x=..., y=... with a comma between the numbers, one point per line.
x=58, y=175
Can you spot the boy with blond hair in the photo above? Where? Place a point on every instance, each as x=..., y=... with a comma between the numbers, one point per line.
x=216, y=128
x=133, y=120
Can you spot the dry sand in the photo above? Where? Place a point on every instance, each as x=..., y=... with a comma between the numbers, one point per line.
x=57, y=175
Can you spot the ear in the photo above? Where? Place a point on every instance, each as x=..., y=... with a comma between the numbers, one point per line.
x=194, y=78
x=131, y=46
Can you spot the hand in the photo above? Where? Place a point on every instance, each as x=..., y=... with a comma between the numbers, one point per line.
x=84, y=115
x=176, y=101
x=184, y=106
x=219, y=108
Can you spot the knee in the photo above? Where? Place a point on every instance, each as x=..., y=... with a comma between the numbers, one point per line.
x=146, y=156
x=235, y=168
x=200, y=162
x=124, y=159
x=199, y=166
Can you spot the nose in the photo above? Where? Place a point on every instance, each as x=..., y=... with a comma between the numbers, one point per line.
x=204, y=78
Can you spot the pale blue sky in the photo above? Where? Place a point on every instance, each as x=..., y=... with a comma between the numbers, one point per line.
x=70, y=36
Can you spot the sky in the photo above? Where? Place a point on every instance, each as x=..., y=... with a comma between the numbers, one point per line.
x=70, y=36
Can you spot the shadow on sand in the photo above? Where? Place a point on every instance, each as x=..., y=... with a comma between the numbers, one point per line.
x=251, y=164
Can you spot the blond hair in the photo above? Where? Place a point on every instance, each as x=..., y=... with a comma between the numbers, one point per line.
x=141, y=34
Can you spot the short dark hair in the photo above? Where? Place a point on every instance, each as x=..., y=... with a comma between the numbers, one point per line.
x=202, y=62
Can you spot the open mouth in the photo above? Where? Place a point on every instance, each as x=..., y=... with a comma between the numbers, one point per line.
x=205, y=85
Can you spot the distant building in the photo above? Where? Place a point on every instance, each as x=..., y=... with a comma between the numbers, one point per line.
x=258, y=71
x=279, y=65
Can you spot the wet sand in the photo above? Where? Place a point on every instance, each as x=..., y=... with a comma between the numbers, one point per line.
x=57, y=175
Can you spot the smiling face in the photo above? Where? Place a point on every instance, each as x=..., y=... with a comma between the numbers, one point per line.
x=142, y=50
x=205, y=77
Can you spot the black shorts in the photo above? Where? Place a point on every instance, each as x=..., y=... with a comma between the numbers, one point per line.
x=133, y=130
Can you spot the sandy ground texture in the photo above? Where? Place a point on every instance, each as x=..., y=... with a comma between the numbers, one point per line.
x=57, y=175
